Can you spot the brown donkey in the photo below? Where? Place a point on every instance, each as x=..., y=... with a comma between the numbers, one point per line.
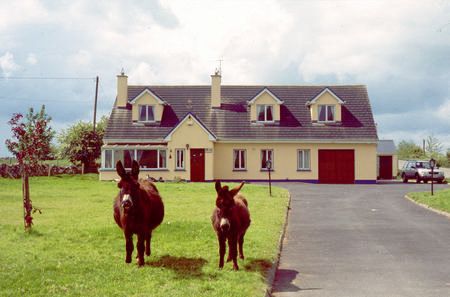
x=138, y=209
x=230, y=220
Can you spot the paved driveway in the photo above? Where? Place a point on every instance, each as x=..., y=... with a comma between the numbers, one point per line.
x=363, y=240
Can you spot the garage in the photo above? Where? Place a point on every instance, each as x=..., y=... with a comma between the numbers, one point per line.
x=336, y=166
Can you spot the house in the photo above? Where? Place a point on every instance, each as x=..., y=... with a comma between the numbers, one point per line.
x=387, y=160
x=317, y=134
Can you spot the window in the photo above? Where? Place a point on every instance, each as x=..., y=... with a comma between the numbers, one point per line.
x=265, y=156
x=239, y=159
x=152, y=159
x=179, y=159
x=264, y=113
x=108, y=160
x=146, y=113
x=303, y=161
x=326, y=113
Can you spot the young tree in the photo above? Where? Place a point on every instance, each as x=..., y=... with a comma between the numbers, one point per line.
x=30, y=143
x=80, y=144
x=433, y=146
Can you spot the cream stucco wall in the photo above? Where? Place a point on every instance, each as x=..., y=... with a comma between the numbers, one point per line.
x=285, y=161
x=265, y=98
x=147, y=99
x=219, y=159
x=326, y=98
x=191, y=133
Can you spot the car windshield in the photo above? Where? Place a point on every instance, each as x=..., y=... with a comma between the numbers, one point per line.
x=425, y=165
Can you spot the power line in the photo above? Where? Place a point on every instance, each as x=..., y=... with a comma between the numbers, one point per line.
x=46, y=77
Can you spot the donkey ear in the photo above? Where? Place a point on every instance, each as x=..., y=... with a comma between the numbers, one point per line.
x=218, y=186
x=236, y=189
x=135, y=170
x=120, y=170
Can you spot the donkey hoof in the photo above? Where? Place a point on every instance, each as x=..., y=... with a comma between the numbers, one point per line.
x=235, y=267
x=241, y=257
x=128, y=260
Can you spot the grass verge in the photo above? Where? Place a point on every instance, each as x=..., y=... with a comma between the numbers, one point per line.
x=440, y=200
x=75, y=248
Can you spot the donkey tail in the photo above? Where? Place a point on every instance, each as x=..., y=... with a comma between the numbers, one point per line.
x=245, y=201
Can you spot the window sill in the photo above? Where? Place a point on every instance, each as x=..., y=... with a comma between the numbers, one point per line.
x=154, y=169
x=303, y=170
x=266, y=170
x=180, y=169
x=241, y=170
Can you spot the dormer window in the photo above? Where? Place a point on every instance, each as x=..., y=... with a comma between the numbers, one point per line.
x=146, y=113
x=265, y=112
x=326, y=113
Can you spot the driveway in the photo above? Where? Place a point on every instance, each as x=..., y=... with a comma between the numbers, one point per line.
x=363, y=240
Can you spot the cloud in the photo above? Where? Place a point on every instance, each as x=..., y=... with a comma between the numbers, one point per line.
x=31, y=59
x=7, y=64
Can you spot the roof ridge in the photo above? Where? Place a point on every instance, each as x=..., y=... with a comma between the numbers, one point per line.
x=254, y=86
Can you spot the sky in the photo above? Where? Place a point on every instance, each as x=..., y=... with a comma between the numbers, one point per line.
x=399, y=49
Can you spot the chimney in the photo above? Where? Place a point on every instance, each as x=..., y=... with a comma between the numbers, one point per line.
x=122, y=90
x=215, y=89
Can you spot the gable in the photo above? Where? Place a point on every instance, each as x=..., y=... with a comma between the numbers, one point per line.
x=190, y=128
x=147, y=97
x=265, y=97
x=326, y=97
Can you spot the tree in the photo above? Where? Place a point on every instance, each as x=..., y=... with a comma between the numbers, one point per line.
x=30, y=143
x=433, y=147
x=80, y=144
x=409, y=150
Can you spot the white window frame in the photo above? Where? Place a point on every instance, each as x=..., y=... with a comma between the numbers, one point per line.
x=271, y=159
x=146, y=106
x=265, y=106
x=183, y=152
x=238, y=152
x=113, y=161
x=326, y=113
x=104, y=159
x=302, y=158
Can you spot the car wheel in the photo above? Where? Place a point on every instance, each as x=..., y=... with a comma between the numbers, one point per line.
x=425, y=181
x=404, y=179
x=440, y=181
x=417, y=179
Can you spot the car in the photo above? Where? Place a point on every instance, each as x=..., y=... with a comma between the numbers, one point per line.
x=421, y=171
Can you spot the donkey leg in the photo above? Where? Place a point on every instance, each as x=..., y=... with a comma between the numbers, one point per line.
x=148, y=241
x=229, y=258
x=241, y=246
x=233, y=252
x=222, y=249
x=140, y=249
x=129, y=247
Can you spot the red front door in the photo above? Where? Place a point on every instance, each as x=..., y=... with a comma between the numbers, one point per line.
x=336, y=166
x=385, y=167
x=197, y=165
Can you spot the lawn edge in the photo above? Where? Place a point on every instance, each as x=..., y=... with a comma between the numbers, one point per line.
x=272, y=271
x=438, y=211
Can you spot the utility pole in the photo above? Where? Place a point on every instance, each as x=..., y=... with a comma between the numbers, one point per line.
x=95, y=102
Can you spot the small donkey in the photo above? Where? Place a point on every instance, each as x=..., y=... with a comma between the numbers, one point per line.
x=230, y=220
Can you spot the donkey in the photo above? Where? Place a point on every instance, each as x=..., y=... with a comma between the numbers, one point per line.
x=230, y=220
x=138, y=209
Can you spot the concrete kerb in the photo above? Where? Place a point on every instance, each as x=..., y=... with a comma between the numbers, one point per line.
x=272, y=271
x=429, y=207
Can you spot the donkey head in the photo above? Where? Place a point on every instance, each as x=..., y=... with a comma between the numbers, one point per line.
x=225, y=203
x=128, y=184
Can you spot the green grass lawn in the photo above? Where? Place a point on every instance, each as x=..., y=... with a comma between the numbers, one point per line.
x=440, y=200
x=76, y=249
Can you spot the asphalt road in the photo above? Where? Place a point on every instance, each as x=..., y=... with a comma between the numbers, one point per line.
x=363, y=240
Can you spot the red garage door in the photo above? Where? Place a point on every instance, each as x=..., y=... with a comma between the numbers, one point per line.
x=336, y=166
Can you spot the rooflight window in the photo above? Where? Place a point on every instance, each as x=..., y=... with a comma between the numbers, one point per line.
x=326, y=113
x=265, y=113
x=146, y=113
